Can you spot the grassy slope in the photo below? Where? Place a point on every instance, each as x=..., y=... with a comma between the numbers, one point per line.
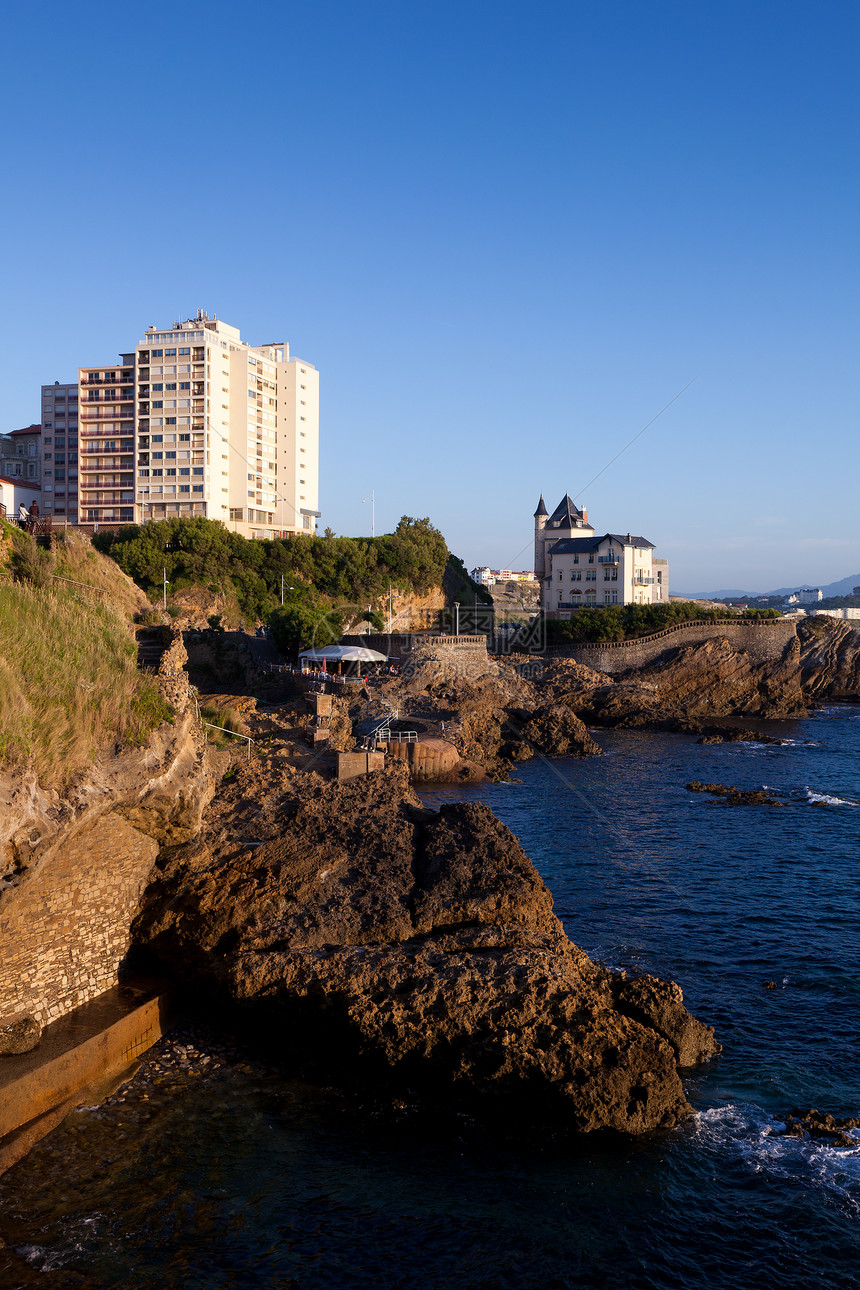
x=69, y=683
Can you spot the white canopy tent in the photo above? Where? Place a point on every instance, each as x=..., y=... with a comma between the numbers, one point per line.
x=343, y=654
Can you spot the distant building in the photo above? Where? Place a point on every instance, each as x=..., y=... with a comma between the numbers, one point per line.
x=20, y=455
x=486, y=577
x=806, y=596
x=578, y=568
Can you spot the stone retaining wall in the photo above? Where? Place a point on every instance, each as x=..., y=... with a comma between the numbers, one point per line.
x=64, y=934
x=406, y=645
x=764, y=641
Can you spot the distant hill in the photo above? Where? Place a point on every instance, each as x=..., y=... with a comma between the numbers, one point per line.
x=842, y=588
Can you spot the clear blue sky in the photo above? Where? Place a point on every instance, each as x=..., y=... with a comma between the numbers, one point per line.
x=506, y=234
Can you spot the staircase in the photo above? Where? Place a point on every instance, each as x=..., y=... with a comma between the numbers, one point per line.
x=152, y=642
x=381, y=726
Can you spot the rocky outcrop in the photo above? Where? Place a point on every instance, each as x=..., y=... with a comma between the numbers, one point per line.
x=553, y=730
x=735, y=796
x=829, y=659
x=694, y=688
x=418, y=950
x=810, y=1122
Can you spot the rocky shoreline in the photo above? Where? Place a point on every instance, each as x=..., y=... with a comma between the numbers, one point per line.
x=392, y=946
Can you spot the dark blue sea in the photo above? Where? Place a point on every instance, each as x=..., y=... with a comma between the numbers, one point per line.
x=246, y=1179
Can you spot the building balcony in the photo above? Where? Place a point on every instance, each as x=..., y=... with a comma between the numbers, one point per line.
x=641, y=581
x=607, y=559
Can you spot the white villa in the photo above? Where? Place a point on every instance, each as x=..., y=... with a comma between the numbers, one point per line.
x=577, y=567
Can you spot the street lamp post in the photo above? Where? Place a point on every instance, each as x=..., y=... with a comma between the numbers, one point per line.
x=371, y=502
x=456, y=618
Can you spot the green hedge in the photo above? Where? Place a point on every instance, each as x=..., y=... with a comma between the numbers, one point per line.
x=626, y=622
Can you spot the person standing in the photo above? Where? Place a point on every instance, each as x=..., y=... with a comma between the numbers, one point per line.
x=22, y=516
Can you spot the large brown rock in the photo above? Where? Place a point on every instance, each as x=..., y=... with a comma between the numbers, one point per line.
x=419, y=949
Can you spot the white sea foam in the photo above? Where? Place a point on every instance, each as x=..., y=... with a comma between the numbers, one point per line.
x=750, y=1134
x=827, y=799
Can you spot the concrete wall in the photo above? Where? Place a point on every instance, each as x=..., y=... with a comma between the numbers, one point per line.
x=64, y=931
x=763, y=641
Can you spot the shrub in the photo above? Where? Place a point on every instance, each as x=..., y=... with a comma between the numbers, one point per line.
x=29, y=563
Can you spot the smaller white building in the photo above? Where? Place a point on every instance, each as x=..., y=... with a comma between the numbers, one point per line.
x=15, y=491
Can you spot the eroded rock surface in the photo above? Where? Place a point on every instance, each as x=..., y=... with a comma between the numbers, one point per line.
x=416, y=948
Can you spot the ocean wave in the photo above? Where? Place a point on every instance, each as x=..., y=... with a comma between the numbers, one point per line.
x=827, y=799
x=748, y=1133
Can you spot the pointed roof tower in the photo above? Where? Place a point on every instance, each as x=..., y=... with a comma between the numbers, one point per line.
x=541, y=507
x=567, y=515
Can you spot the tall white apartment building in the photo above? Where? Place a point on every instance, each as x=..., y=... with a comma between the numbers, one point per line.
x=194, y=422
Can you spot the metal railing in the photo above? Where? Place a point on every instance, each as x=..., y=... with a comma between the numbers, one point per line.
x=234, y=733
x=387, y=736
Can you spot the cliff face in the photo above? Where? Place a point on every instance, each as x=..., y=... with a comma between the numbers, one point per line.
x=829, y=659
x=72, y=867
x=416, y=948
x=690, y=686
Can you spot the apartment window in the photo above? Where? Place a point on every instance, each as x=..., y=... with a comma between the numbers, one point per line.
x=170, y=421
x=307, y=520
x=303, y=418
x=158, y=474
x=170, y=387
x=49, y=456
x=182, y=352
x=157, y=389
x=197, y=470
x=170, y=353
x=237, y=514
x=171, y=456
x=183, y=385
x=197, y=488
x=48, y=440
x=158, y=353
x=157, y=438
x=184, y=470
x=591, y=559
